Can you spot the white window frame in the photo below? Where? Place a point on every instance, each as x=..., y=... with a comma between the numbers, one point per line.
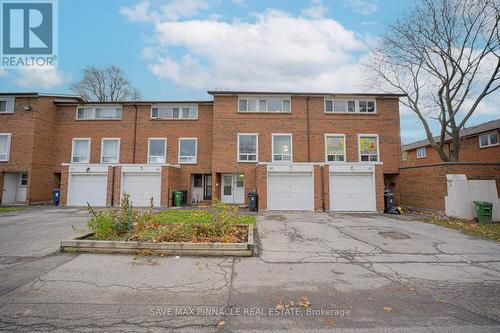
x=238, y=148
x=102, y=149
x=291, y=147
x=326, y=147
x=172, y=106
x=195, y=152
x=9, y=138
x=164, y=151
x=257, y=103
x=89, y=149
x=489, y=140
x=421, y=149
x=379, y=159
x=9, y=101
x=404, y=154
x=94, y=107
x=346, y=99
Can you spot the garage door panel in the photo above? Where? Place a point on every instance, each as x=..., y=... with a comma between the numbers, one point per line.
x=89, y=188
x=142, y=187
x=352, y=192
x=290, y=191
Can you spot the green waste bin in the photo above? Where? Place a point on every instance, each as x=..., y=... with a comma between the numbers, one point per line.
x=177, y=199
x=484, y=211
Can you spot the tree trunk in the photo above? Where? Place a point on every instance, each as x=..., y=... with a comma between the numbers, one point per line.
x=455, y=147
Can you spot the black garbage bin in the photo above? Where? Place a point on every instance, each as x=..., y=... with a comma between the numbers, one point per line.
x=184, y=197
x=253, y=201
x=388, y=202
x=56, y=196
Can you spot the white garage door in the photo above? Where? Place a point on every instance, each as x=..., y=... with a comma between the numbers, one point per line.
x=352, y=192
x=290, y=191
x=142, y=187
x=89, y=188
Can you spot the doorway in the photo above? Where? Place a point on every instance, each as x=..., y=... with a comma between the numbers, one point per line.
x=15, y=188
x=233, y=188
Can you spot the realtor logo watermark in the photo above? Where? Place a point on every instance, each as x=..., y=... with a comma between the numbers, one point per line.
x=29, y=33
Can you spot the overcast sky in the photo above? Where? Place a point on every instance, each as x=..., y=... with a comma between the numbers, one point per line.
x=180, y=49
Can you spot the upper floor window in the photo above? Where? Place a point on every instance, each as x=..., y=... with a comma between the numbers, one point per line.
x=349, y=105
x=99, y=112
x=421, y=152
x=174, y=112
x=248, y=147
x=80, y=152
x=368, y=148
x=405, y=155
x=110, y=151
x=5, y=146
x=335, y=147
x=282, y=147
x=488, y=140
x=7, y=104
x=157, y=150
x=264, y=104
x=188, y=150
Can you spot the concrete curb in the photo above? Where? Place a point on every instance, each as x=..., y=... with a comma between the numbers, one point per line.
x=81, y=244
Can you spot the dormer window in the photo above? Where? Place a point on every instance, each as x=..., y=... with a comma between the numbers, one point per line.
x=174, y=112
x=264, y=104
x=348, y=105
x=99, y=112
x=7, y=104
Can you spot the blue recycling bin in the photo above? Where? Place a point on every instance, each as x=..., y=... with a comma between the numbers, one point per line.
x=56, y=196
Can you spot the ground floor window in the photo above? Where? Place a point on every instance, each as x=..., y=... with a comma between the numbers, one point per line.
x=368, y=148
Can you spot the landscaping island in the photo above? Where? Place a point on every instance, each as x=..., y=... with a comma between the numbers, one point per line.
x=219, y=231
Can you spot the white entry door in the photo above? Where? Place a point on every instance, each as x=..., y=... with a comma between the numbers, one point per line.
x=91, y=188
x=233, y=188
x=353, y=192
x=23, y=187
x=142, y=187
x=10, y=186
x=290, y=191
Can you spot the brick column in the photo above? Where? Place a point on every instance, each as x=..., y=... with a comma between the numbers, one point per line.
x=64, y=184
x=165, y=187
x=261, y=181
x=379, y=187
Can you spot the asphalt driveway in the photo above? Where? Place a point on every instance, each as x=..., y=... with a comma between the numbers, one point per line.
x=314, y=271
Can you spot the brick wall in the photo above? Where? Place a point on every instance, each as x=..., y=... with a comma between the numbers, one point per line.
x=425, y=186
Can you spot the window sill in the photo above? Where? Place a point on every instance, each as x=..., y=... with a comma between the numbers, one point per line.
x=111, y=119
x=248, y=161
x=264, y=112
x=7, y=112
x=187, y=163
x=490, y=146
x=173, y=119
x=353, y=113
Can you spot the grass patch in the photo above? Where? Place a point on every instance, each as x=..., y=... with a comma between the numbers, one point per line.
x=471, y=227
x=221, y=224
x=10, y=209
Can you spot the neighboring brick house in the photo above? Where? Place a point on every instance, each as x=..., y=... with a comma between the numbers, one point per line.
x=301, y=151
x=479, y=143
x=422, y=178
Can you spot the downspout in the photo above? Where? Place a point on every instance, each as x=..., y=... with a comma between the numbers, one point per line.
x=135, y=134
x=321, y=168
x=307, y=131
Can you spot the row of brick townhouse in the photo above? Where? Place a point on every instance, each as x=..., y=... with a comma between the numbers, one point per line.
x=299, y=151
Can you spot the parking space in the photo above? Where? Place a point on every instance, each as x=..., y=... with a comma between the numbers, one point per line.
x=389, y=273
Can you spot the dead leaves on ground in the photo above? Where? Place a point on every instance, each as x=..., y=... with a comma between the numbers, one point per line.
x=302, y=302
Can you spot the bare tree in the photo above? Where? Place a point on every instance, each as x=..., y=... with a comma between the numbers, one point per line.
x=105, y=85
x=444, y=54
